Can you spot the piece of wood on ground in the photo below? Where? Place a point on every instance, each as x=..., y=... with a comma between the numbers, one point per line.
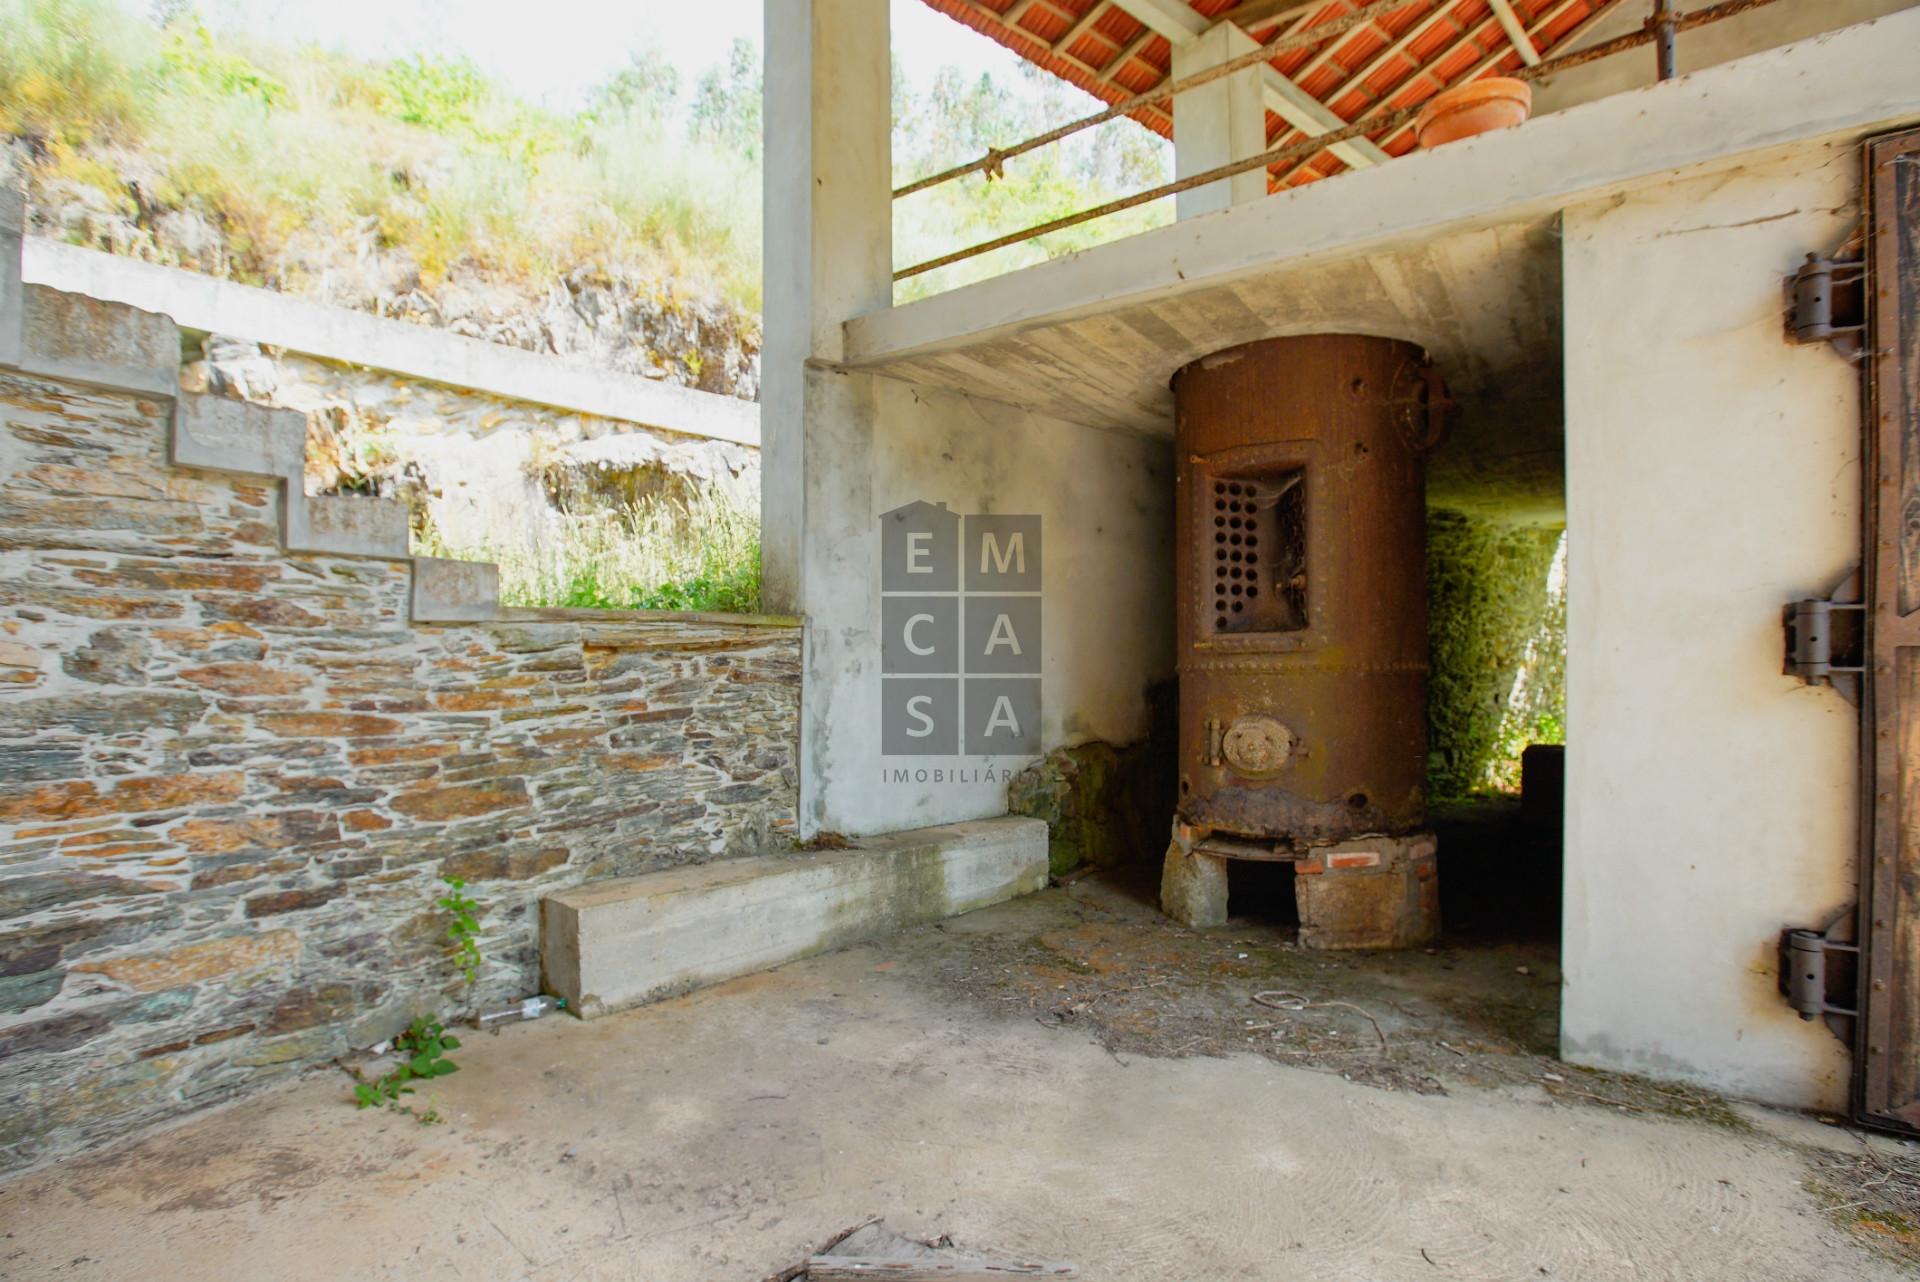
x=876, y=1251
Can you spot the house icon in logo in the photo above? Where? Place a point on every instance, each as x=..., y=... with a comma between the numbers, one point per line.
x=920, y=548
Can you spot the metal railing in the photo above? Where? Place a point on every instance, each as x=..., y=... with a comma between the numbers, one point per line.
x=1660, y=30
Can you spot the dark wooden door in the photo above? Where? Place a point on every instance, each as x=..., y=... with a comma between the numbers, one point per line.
x=1887, y=1058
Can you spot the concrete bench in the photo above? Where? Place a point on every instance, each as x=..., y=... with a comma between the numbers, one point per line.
x=608, y=945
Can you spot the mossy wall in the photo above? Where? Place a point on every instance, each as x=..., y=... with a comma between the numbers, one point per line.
x=1496, y=624
x=1104, y=805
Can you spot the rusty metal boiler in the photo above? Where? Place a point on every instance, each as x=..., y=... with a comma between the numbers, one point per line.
x=1302, y=639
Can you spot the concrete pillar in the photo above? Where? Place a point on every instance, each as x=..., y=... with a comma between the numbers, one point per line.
x=1219, y=122
x=828, y=254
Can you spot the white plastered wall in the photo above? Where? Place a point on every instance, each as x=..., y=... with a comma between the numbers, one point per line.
x=1105, y=503
x=1712, y=475
x=840, y=448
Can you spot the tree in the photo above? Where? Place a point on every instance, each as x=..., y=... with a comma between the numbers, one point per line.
x=726, y=103
x=648, y=87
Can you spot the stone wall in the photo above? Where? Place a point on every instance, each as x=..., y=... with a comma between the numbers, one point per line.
x=231, y=777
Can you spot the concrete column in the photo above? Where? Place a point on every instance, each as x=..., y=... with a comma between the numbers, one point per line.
x=1218, y=122
x=828, y=253
x=828, y=218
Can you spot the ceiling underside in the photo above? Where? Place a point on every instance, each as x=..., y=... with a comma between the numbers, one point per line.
x=1395, y=61
x=1485, y=303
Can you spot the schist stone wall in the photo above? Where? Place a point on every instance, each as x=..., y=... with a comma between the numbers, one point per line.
x=231, y=777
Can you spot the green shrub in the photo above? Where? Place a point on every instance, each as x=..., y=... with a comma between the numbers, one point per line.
x=75, y=71
x=441, y=94
x=191, y=61
x=274, y=143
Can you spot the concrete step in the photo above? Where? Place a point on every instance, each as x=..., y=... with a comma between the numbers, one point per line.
x=613, y=944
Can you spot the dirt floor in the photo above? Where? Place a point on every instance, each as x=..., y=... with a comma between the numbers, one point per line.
x=1068, y=1076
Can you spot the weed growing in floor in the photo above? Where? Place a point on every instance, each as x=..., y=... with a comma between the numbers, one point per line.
x=464, y=929
x=423, y=1056
x=422, y=1048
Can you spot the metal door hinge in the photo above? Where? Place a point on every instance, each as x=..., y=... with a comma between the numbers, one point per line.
x=1826, y=303
x=1819, y=972
x=1826, y=639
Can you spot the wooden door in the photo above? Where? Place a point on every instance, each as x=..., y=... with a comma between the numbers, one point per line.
x=1887, y=1052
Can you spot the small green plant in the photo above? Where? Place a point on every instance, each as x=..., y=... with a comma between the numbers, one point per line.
x=423, y=1051
x=464, y=929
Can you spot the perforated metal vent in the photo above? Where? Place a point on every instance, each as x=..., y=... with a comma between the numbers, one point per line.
x=1259, y=552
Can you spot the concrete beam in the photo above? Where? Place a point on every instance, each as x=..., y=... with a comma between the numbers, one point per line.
x=608, y=945
x=205, y=303
x=13, y=218
x=446, y=591
x=1844, y=82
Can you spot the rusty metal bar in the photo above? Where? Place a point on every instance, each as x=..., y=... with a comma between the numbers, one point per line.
x=1283, y=43
x=1281, y=155
x=1666, y=63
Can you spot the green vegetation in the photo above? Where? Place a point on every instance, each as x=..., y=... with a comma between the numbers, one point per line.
x=1496, y=634
x=464, y=930
x=303, y=163
x=698, y=552
x=422, y=1049
x=957, y=121
x=276, y=145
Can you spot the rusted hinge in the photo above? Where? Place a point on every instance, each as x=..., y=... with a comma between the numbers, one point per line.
x=1826, y=639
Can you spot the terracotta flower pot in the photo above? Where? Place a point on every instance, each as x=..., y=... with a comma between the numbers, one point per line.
x=1498, y=102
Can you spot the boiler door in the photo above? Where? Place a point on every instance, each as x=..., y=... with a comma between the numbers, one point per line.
x=1257, y=745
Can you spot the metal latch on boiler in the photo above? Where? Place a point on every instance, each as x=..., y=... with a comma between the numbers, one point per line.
x=1826, y=639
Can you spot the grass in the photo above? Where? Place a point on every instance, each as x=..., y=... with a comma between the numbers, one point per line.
x=700, y=553
x=273, y=144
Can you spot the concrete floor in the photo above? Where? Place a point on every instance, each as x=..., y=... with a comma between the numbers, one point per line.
x=1066, y=1076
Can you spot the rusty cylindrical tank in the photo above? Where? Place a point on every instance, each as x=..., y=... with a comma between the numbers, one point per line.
x=1302, y=639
